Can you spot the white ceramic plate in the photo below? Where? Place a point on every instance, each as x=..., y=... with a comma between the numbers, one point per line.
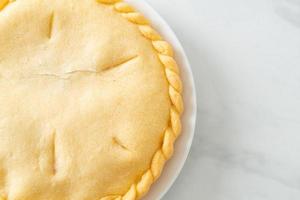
x=183, y=143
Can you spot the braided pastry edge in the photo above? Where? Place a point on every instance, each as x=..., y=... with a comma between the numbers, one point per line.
x=165, y=55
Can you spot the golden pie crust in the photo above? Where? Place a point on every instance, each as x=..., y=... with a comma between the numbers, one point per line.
x=90, y=101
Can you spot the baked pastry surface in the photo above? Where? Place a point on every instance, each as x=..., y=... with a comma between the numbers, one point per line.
x=89, y=101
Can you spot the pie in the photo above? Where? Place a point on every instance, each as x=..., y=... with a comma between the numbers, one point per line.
x=90, y=101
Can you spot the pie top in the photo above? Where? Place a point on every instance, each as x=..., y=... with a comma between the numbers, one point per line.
x=89, y=101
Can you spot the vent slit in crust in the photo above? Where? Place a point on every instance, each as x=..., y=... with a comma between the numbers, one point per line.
x=119, y=143
x=121, y=63
x=54, y=153
x=51, y=23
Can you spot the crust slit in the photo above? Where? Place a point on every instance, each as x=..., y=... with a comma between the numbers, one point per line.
x=121, y=63
x=119, y=143
x=54, y=153
x=51, y=23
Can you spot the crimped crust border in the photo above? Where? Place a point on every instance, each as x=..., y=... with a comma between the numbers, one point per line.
x=166, y=56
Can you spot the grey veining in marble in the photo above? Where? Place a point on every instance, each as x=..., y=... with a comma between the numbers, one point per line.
x=245, y=57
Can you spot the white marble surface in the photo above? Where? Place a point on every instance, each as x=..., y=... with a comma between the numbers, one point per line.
x=245, y=56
